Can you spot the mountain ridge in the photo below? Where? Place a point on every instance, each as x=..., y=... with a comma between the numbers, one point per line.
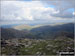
x=29, y=27
x=42, y=32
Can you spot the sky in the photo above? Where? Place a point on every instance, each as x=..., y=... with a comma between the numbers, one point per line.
x=37, y=12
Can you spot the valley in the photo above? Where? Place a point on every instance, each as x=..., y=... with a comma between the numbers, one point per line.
x=40, y=40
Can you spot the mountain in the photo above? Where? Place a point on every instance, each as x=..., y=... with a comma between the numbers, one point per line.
x=54, y=31
x=8, y=33
x=9, y=26
x=39, y=31
x=28, y=27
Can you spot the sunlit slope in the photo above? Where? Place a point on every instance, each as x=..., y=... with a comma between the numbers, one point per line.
x=39, y=32
x=28, y=27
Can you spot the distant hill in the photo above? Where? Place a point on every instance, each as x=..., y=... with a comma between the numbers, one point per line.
x=54, y=31
x=39, y=31
x=8, y=33
x=9, y=26
x=28, y=27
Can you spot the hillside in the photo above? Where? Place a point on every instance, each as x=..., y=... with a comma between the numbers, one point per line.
x=9, y=33
x=39, y=32
x=30, y=27
x=54, y=31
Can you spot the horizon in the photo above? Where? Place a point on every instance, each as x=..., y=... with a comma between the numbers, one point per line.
x=32, y=25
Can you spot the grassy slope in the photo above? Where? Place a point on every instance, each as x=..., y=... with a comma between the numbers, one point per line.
x=28, y=27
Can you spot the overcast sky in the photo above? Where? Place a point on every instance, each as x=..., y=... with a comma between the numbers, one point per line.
x=44, y=11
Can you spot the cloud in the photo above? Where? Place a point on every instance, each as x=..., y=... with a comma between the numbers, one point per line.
x=74, y=13
x=60, y=4
x=20, y=10
x=35, y=11
x=63, y=15
x=63, y=6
